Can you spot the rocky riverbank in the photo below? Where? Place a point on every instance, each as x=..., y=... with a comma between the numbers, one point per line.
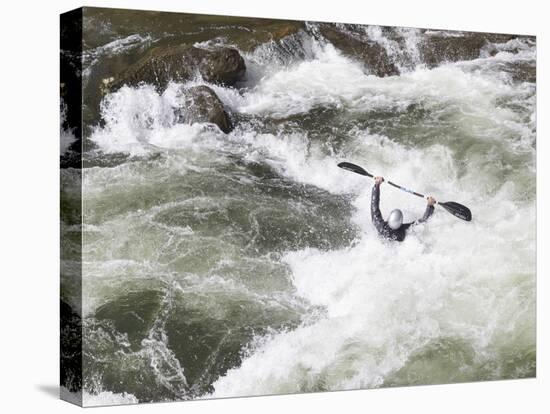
x=202, y=48
x=218, y=54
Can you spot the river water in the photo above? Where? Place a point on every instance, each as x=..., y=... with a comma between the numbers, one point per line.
x=222, y=265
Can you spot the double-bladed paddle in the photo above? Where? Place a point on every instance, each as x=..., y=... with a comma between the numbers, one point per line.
x=456, y=209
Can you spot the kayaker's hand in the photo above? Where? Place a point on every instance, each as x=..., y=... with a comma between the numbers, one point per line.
x=431, y=201
x=378, y=180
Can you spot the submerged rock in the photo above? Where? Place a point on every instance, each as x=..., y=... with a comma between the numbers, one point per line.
x=372, y=54
x=441, y=47
x=256, y=32
x=201, y=104
x=181, y=63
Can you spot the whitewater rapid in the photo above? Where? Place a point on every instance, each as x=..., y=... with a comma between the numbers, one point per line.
x=454, y=302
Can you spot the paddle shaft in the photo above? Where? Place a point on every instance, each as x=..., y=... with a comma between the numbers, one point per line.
x=400, y=187
x=406, y=189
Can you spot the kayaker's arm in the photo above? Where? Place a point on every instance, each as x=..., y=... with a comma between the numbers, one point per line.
x=429, y=211
x=376, y=215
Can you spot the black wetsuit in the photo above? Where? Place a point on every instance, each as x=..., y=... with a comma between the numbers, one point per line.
x=382, y=226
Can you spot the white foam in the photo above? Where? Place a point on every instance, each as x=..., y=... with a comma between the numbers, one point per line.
x=334, y=80
x=108, y=398
x=67, y=137
x=385, y=301
x=326, y=80
x=140, y=119
x=115, y=47
x=121, y=44
x=405, y=54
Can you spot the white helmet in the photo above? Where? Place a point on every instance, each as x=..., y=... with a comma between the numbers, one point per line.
x=396, y=219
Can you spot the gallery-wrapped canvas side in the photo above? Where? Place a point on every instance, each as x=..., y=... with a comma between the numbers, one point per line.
x=71, y=206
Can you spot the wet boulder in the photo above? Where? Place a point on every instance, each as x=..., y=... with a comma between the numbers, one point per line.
x=440, y=47
x=355, y=46
x=201, y=104
x=223, y=66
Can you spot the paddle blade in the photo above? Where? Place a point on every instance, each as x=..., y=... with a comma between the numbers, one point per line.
x=457, y=210
x=354, y=168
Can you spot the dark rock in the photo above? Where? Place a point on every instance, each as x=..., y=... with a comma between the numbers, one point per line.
x=161, y=65
x=73, y=157
x=203, y=105
x=71, y=348
x=438, y=48
x=260, y=31
x=372, y=54
x=285, y=30
x=522, y=71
